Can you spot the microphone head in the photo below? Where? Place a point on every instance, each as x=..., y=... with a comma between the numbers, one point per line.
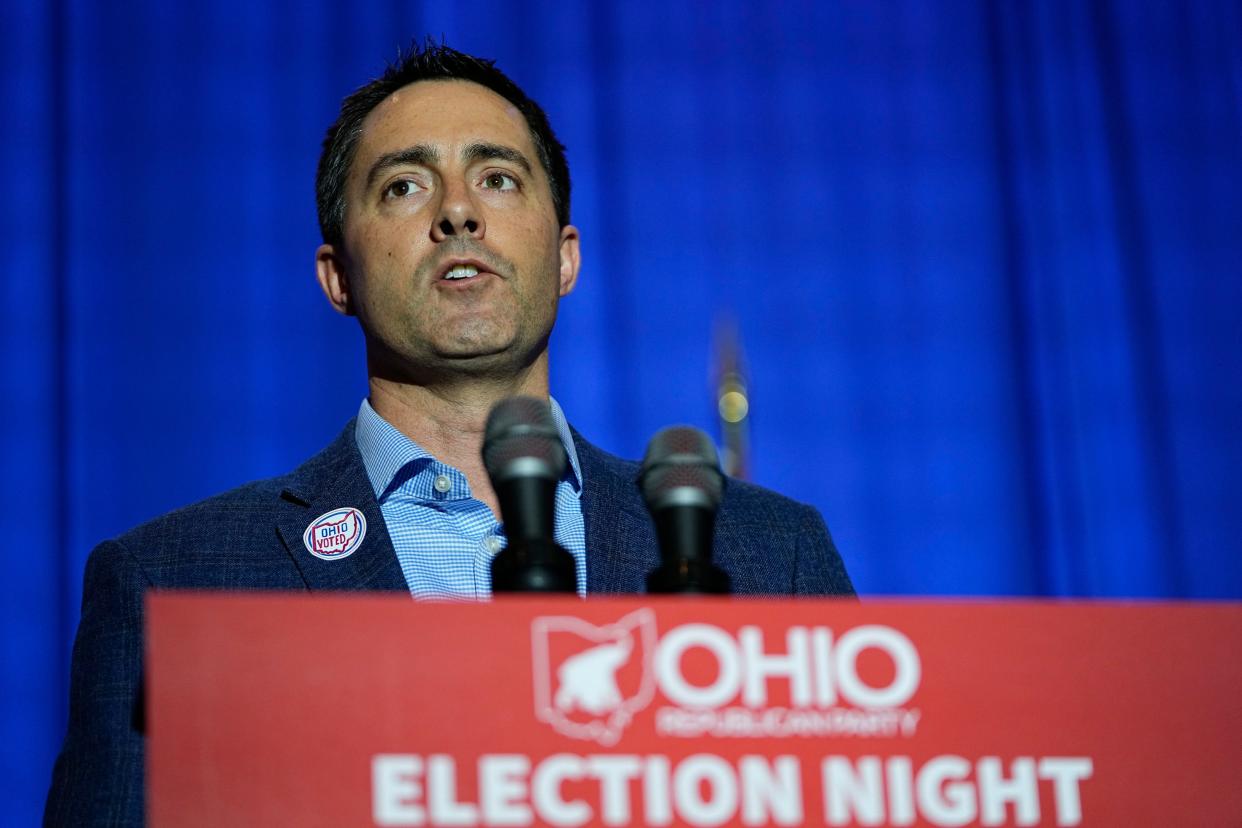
x=521, y=440
x=681, y=468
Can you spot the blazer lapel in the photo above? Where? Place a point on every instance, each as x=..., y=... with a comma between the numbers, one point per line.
x=336, y=478
x=620, y=538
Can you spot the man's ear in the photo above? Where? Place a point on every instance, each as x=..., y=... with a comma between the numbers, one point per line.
x=330, y=270
x=571, y=258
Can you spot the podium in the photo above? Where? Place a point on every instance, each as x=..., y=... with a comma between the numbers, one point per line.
x=341, y=710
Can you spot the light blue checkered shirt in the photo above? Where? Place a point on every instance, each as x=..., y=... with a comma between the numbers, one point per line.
x=444, y=538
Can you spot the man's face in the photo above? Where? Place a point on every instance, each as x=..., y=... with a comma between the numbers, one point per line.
x=453, y=259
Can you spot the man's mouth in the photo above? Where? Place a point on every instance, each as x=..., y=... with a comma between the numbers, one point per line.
x=463, y=271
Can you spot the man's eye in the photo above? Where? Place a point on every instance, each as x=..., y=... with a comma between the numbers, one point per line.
x=499, y=181
x=399, y=189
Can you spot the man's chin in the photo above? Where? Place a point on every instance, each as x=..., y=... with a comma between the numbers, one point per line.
x=472, y=349
x=482, y=359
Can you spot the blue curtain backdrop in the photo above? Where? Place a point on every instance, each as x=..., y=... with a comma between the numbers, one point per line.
x=984, y=258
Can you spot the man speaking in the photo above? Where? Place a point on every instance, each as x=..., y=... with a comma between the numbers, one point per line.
x=443, y=199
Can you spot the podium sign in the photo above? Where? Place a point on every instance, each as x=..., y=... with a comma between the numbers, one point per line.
x=300, y=710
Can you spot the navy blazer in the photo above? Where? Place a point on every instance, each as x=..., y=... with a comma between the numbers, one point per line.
x=251, y=539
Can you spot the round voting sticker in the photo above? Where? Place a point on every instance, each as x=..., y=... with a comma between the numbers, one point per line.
x=335, y=535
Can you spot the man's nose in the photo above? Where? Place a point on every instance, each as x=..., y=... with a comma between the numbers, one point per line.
x=459, y=214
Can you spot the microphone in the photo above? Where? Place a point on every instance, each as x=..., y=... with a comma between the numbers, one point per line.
x=682, y=485
x=525, y=459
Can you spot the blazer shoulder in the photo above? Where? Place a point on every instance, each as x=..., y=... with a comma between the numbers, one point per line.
x=239, y=522
x=770, y=544
x=799, y=548
x=744, y=506
x=250, y=498
x=751, y=501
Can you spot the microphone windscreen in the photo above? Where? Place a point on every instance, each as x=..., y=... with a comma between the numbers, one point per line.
x=521, y=440
x=681, y=467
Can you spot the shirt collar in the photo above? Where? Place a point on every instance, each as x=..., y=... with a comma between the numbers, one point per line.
x=386, y=452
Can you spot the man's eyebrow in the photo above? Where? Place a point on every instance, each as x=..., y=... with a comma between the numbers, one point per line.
x=420, y=155
x=484, y=151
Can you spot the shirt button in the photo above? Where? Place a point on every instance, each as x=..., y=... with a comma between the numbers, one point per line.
x=443, y=484
x=492, y=543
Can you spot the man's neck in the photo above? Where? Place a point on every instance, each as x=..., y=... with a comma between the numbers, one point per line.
x=448, y=420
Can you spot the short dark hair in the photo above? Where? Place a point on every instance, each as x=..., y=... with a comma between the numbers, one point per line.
x=430, y=62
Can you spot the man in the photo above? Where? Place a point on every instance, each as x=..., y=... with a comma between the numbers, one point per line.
x=444, y=206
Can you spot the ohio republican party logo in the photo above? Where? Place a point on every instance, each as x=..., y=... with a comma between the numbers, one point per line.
x=335, y=535
x=800, y=681
x=589, y=680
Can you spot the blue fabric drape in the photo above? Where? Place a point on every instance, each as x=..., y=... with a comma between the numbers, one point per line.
x=984, y=258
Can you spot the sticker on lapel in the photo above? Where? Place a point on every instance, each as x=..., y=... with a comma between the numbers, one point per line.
x=336, y=534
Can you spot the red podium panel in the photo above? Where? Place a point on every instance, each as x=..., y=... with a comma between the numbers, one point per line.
x=297, y=710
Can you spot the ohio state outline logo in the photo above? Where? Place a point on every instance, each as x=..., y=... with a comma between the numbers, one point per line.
x=590, y=680
x=335, y=535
